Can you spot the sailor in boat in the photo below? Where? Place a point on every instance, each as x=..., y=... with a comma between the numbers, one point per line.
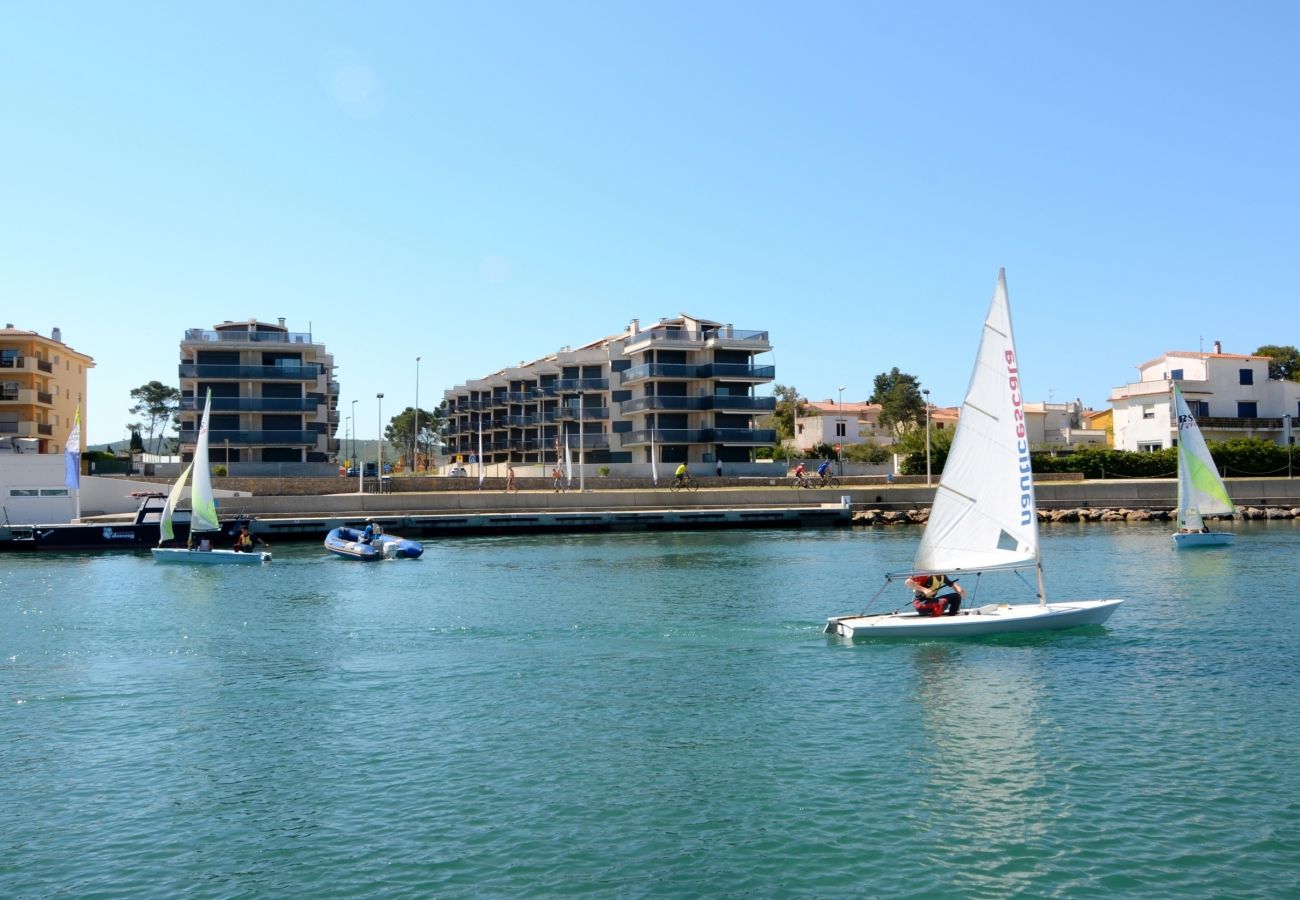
x=244, y=540
x=373, y=530
x=926, y=599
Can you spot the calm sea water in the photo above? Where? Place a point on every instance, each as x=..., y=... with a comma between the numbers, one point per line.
x=646, y=715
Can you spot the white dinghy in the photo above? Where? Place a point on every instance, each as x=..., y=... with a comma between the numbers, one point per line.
x=984, y=517
x=203, y=514
x=1201, y=492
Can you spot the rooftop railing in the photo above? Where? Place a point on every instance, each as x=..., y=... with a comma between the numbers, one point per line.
x=247, y=337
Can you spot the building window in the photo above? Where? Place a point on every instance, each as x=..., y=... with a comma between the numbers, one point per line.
x=1176, y=374
x=1148, y=412
x=1199, y=408
x=799, y=428
x=1247, y=376
x=9, y=390
x=840, y=430
x=1149, y=446
x=1246, y=410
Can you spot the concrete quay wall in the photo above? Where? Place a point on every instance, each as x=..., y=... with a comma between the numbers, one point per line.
x=1055, y=495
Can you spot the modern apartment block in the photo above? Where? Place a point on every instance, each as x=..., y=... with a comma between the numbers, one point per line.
x=1230, y=395
x=682, y=389
x=273, y=397
x=42, y=383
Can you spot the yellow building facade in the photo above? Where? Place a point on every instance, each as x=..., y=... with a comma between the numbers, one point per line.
x=42, y=383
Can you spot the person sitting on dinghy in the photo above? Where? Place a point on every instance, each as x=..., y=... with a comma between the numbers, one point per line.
x=373, y=530
x=926, y=599
x=244, y=540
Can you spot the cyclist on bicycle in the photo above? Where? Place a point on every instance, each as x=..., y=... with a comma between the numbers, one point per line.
x=681, y=474
x=798, y=472
x=824, y=471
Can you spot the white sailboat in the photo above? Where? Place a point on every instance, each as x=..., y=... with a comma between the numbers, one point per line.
x=203, y=514
x=984, y=517
x=1201, y=491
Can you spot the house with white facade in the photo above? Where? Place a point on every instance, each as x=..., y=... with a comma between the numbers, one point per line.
x=1060, y=426
x=830, y=422
x=1230, y=394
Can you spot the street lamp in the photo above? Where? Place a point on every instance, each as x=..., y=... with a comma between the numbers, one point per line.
x=926, y=393
x=347, y=433
x=840, y=442
x=356, y=424
x=379, y=452
x=582, y=448
x=415, y=435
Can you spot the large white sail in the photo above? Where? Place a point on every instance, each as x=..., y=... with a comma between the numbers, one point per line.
x=984, y=515
x=1200, y=489
x=204, y=508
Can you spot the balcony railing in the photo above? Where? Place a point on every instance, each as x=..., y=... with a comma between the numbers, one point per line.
x=247, y=337
x=1232, y=423
x=679, y=337
x=572, y=414
x=751, y=436
x=308, y=372
x=575, y=385
x=696, y=404
x=738, y=371
x=25, y=362
x=253, y=404
x=659, y=370
x=275, y=438
x=45, y=397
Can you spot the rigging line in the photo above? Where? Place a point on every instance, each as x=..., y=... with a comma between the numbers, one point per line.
x=876, y=596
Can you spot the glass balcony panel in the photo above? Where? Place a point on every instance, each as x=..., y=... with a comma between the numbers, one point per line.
x=309, y=372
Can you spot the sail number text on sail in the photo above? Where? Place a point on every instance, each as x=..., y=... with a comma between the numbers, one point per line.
x=1022, y=445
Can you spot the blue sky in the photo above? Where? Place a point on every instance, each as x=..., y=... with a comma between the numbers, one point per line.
x=479, y=184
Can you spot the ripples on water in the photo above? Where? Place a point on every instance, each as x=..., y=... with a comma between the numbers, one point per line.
x=646, y=715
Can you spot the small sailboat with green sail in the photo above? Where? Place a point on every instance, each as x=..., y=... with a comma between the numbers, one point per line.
x=1201, y=491
x=203, y=513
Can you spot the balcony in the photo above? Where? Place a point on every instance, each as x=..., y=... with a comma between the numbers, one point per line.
x=755, y=341
x=689, y=372
x=241, y=438
x=679, y=371
x=199, y=335
x=672, y=337
x=759, y=437
x=47, y=430
x=45, y=398
x=26, y=362
x=1228, y=423
x=698, y=404
x=27, y=396
x=308, y=372
x=578, y=385
x=254, y=404
x=572, y=414
x=737, y=372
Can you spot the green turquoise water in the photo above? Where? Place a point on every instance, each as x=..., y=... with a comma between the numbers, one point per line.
x=646, y=715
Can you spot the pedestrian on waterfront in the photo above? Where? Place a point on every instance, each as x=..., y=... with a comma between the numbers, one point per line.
x=719, y=468
x=926, y=599
x=557, y=479
x=511, y=484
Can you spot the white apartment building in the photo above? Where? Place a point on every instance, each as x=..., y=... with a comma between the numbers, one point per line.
x=682, y=389
x=1230, y=395
x=274, y=400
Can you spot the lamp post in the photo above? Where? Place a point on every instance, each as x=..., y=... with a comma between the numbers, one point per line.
x=582, y=448
x=347, y=434
x=926, y=393
x=840, y=443
x=415, y=435
x=356, y=424
x=379, y=453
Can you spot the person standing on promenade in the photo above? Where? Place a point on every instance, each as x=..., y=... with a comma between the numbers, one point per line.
x=557, y=479
x=511, y=484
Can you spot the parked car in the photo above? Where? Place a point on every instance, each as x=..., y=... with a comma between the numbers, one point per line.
x=456, y=471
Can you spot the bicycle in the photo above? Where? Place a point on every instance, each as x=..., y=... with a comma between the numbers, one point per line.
x=801, y=481
x=686, y=483
x=830, y=481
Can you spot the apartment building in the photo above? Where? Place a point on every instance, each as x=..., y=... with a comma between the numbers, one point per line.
x=274, y=399
x=1230, y=395
x=42, y=384
x=680, y=390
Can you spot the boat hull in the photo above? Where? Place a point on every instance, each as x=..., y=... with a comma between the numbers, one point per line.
x=346, y=542
x=990, y=619
x=1195, y=539
x=188, y=557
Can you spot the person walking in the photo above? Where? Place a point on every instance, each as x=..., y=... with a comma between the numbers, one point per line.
x=511, y=484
